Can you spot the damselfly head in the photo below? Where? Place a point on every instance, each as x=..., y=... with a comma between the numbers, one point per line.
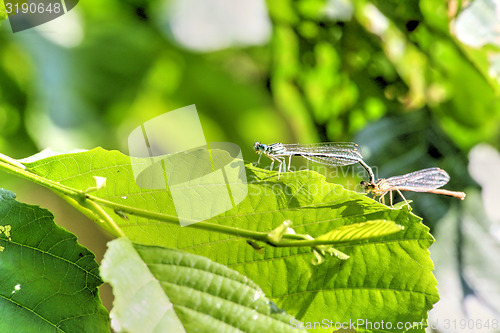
x=259, y=146
x=367, y=186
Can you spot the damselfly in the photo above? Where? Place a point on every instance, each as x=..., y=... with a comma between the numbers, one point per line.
x=327, y=153
x=426, y=180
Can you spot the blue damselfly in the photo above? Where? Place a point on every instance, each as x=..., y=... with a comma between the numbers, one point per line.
x=327, y=153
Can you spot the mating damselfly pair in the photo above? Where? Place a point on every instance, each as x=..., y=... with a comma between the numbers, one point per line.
x=348, y=153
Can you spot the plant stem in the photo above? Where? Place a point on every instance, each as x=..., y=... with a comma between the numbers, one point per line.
x=101, y=212
x=94, y=204
x=259, y=236
x=80, y=197
x=36, y=178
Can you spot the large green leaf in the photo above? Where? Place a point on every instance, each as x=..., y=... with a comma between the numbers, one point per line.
x=206, y=296
x=48, y=282
x=386, y=278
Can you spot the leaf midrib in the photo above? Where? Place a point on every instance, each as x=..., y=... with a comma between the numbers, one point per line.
x=387, y=289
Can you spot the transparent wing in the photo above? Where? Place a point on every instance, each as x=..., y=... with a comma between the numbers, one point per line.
x=322, y=146
x=421, y=180
x=339, y=160
x=329, y=153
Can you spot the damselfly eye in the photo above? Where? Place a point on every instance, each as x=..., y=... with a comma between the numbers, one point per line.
x=259, y=146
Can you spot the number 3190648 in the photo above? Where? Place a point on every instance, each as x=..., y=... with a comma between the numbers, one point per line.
x=32, y=8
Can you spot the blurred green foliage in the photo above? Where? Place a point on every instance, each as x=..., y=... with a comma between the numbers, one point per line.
x=389, y=75
x=320, y=77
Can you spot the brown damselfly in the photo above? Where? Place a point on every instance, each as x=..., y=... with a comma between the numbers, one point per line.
x=426, y=180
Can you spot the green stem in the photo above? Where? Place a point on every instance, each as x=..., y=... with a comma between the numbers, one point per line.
x=37, y=179
x=101, y=212
x=94, y=204
x=81, y=197
x=259, y=236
